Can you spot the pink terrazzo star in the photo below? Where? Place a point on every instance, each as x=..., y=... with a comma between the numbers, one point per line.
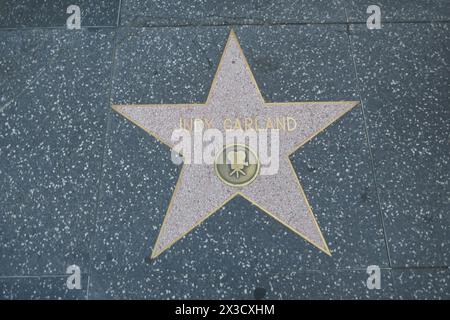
x=199, y=192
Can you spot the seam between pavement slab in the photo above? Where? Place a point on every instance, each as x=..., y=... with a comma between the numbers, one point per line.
x=105, y=142
x=246, y=23
x=372, y=162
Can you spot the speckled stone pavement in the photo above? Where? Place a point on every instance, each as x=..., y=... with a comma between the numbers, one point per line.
x=80, y=184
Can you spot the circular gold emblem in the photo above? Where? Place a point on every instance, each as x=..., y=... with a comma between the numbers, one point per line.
x=236, y=165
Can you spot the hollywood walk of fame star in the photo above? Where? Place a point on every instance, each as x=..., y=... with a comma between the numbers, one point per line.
x=199, y=192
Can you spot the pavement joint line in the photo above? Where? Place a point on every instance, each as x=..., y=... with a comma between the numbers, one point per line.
x=239, y=24
x=56, y=275
x=407, y=268
x=100, y=190
x=369, y=145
